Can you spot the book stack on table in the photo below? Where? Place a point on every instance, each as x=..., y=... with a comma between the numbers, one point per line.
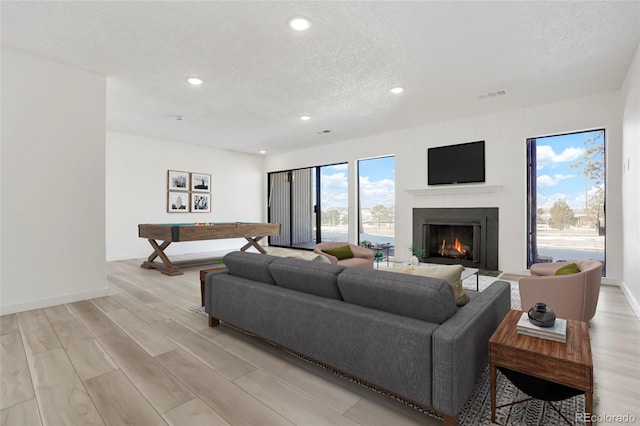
x=557, y=332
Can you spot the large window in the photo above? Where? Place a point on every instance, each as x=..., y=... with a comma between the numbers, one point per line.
x=377, y=191
x=566, y=197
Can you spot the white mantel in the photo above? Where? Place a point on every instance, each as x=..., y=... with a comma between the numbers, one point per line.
x=455, y=189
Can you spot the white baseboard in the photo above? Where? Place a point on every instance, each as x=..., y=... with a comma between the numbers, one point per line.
x=632, y=300
x=44, y=303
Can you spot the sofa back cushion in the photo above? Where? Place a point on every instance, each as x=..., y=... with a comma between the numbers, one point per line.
x=423, y=298
x=252, y=266
x=309, y=277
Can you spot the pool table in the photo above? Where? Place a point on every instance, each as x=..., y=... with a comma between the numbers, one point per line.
x=176, y=232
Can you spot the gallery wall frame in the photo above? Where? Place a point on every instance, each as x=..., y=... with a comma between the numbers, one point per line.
x=200, y=202
x=200, y=182
x=188, y=192
x=178, y=181
x=178, y=202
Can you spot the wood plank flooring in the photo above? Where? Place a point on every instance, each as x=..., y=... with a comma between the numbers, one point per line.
x=139, y=356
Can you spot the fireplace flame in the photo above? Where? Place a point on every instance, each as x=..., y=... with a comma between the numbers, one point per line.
x=456, y=246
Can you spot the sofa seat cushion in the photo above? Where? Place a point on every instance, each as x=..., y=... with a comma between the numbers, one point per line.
x=252, y=266
x=423, y=298
x=316, y=278
x=449, y=273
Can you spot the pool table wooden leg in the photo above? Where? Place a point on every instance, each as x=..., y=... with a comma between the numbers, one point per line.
x=167, y=268
x=253, y=242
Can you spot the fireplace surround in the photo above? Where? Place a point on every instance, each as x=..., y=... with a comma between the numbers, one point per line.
x=467, y=236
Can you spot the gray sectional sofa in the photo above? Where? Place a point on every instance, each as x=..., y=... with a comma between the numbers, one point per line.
x=401, y=333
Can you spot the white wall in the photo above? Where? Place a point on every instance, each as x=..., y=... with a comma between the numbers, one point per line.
x=136, y=191
x=505, y=134
x=53, y=216
x=631, y=182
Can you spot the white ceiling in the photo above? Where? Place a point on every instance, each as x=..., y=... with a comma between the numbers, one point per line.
x=261, y=76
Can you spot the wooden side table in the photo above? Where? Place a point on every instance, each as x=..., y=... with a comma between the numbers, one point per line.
x=568, y=364
x=203, y=273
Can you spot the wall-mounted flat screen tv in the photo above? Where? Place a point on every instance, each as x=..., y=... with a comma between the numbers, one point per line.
x=453, y=164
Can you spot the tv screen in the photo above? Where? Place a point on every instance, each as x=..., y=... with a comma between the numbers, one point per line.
x=453, y=164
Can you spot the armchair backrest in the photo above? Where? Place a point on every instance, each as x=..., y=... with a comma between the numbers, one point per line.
x=573, y=296
x=592, y=269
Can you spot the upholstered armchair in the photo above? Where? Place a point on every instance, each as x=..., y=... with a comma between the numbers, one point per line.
x=362, y=256
x=573, y=296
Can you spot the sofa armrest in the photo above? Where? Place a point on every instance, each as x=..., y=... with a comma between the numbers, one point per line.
x=208, y=282
x=461, y=346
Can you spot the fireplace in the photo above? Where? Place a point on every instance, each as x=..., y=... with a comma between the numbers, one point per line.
x=459, y=241
x=466, y=236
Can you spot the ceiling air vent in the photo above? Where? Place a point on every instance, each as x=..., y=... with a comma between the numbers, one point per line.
x=493, y=94
x=324, y=131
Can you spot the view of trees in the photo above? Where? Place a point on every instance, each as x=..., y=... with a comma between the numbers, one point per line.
x=332, y=216
x=382, y=214
x=592, y=164
x=562, y=216
x=595, y=207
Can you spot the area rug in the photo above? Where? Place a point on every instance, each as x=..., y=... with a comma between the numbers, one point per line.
x=484, y=282
x=477, y=409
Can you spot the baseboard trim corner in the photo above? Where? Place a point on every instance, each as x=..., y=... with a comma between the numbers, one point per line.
x=44, y=303
x=632, y=300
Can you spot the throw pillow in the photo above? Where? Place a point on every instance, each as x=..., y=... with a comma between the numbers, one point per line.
x=448, y=273
x=571, y=268
x=322, y=259
x=340, y=253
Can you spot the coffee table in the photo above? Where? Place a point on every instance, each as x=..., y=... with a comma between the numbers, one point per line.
x=569, y=364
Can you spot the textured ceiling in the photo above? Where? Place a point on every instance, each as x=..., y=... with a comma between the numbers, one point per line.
x=260, y=76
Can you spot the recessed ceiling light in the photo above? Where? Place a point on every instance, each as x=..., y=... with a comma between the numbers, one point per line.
x=262, y=151
x=397, y=90
x=300, y=23
x=195, y=81
x=305, y=117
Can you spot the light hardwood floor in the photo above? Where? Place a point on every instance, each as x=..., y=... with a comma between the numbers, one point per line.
x=141, y=357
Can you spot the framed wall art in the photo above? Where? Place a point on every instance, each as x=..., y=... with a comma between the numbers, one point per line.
x=200, y=182
x=200, y=202
x=178, y=181
x=177, y=202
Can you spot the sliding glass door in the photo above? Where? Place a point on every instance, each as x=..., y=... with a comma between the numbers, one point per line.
x=310, y=204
